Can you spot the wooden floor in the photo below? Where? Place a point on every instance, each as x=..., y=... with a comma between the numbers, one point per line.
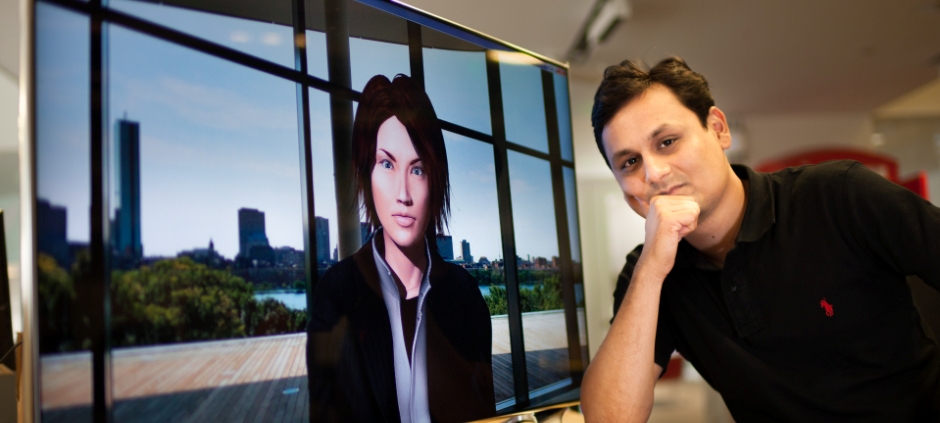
x=542, y=330
x=254, y=379
x=260, y=379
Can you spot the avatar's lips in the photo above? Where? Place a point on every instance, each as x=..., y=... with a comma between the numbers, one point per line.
x=404, y=220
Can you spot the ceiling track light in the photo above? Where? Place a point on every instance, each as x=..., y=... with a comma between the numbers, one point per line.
x=605, y=17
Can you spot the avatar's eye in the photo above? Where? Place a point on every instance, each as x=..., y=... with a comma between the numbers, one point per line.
x=385, y=164
x=417, y=171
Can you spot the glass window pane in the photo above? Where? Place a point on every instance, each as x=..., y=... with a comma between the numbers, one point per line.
x=63, y=190
x=523, y=102
x=324, y=190
x=456, y=82
x=316, y=55
x=369, y=58
x=538, y=271
x=265, y=40
x=571, y=205
x=207, y=236
x=563, y=106
x=475, y=241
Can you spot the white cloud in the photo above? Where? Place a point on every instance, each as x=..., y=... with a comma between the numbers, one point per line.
x=240, y=37
x=520, y=186
x=271, y=39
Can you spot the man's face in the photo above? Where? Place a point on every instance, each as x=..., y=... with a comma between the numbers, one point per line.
x=657, y=146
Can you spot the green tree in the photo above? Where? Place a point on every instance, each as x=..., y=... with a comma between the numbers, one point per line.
x=56, y=293
x=496, y=300
x=544, y=295
x=177, y=300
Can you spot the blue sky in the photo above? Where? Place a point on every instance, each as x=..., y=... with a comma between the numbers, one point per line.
x=62, y=104
x=216, y=136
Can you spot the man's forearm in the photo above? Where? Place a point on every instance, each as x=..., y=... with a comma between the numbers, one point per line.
x=618, y=384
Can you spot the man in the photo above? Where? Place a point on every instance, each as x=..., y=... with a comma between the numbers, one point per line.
x=786, y=291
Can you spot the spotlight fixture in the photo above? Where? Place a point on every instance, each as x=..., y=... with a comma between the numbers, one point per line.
x=605, y=17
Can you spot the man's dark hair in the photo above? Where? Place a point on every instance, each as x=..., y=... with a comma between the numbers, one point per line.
x=402, y=98
x=624, y=82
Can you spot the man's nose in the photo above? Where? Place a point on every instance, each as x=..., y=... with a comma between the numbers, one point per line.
x=656, y=169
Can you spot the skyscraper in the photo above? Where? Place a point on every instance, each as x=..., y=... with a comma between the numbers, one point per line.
x=251, y=231
x=51, y=232
x=445, y=246
x=465, y=247
x=127, y=234
x=323, y=238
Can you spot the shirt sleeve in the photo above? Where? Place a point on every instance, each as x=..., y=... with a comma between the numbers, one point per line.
x=665, y=341
x=892, y=224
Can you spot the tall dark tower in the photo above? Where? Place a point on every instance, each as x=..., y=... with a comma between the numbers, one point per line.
x=127, y=236
x=250, y=231
x=465, y=247
x=323, y=238
x=51, y=231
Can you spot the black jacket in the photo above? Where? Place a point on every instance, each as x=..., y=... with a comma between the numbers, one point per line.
x=349, y=346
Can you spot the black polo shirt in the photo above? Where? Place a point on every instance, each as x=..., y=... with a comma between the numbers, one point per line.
x=811, y=319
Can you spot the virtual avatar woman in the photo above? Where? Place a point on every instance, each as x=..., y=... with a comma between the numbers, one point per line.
x=395, y=332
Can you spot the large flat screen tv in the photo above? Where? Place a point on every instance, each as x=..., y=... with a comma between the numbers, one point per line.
x=230, y=223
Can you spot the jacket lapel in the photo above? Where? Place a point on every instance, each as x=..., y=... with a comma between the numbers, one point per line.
x=375, y=337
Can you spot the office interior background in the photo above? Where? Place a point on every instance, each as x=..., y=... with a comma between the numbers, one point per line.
x=791, y=76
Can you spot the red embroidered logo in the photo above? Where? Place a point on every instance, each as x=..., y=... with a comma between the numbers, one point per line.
x=826, y=306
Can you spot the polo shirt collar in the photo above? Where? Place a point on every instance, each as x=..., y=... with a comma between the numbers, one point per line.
x=759, y=216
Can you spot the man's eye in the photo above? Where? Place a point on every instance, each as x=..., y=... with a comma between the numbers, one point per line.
x=630, y=162
x=668, y=142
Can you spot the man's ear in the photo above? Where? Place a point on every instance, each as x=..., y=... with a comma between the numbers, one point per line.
x=717, y=122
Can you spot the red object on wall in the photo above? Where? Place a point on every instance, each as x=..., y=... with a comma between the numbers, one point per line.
x=881, y=164
x=674, y=369
x=917, y=183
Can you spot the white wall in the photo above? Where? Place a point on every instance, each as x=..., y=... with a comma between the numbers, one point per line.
x=776, y=136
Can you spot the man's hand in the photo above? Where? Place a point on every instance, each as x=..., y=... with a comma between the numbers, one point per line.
x=618, y=385
x=669, y=219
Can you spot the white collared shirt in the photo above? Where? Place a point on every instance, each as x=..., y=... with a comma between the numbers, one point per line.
x=411, y=376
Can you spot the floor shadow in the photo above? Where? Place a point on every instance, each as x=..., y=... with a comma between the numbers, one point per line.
x=280, y=400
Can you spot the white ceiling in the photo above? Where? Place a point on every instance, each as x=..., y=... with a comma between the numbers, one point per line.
x=797, y=56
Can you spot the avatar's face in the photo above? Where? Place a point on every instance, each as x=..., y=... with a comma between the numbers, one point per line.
x=399, y=186
x=657, y=146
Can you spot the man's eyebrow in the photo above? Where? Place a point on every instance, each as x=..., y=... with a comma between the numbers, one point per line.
x=621, y=153
x=659, y=130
